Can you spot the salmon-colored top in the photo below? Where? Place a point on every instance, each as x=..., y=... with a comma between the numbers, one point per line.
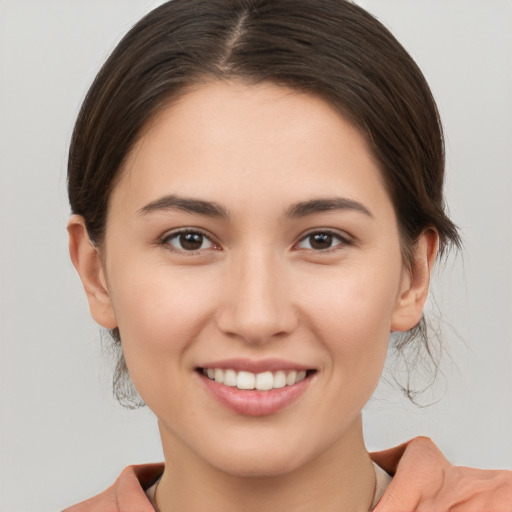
x=423, y=481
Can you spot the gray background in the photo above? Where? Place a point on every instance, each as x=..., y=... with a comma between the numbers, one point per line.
x=62, y=436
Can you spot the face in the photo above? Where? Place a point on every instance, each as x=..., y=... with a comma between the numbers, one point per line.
x=251, y=242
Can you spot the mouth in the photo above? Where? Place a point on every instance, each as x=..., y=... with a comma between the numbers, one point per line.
x=255, y=393
x=263, y=381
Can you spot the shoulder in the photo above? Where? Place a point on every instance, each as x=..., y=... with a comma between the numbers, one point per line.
x=424, y=480
x=127, y=494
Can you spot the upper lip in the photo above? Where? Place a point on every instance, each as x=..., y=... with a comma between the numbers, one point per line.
x=256, y=366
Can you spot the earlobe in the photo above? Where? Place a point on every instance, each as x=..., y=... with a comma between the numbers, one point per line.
x=415, y=283
x=86, y=259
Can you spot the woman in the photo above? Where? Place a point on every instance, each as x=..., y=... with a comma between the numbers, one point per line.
x=257, y=198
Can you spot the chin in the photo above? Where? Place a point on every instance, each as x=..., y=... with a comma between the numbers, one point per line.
x=258, y=456
x=258, y=465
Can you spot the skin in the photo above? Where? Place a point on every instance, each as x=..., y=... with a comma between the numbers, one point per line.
x=256, y=288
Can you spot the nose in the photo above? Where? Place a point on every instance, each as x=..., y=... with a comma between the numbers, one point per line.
x=258, y=306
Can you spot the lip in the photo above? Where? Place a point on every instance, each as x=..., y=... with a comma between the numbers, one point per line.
x=255, y=402
x=256, y=366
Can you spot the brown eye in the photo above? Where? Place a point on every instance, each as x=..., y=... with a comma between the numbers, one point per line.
x=189, y=241
x=322, y=241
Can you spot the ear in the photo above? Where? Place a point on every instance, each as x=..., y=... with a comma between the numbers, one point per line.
x=415, y=283
x=86, y=259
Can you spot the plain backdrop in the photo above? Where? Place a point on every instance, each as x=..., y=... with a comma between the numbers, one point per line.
x=62, y=436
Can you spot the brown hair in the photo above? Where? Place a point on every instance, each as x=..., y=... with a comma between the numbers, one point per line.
x=330, y=48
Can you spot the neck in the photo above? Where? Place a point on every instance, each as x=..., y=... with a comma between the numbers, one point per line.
x=340, y=479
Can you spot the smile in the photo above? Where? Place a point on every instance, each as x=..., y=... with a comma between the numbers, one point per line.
x=268, y=389
x=245, y=380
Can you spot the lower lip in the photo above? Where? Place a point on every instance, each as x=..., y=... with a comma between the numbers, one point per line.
x=253, y=402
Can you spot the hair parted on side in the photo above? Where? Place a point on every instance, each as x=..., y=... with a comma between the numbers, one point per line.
x=330, y=48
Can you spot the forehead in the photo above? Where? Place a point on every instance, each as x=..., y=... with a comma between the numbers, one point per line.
x=236, y=141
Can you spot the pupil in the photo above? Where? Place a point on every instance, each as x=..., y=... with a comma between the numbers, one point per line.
x=321, y=241
x=191, y=241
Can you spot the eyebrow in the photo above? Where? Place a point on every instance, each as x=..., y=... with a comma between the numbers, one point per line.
x=306, y=208
x=174, y=202
x=212, y=209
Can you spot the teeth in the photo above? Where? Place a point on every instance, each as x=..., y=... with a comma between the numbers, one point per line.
x=248, y=380
x=219, y=375
x=245, y=380
x=230, y=378
x=264, y=381
x=290, y=379
x=279, y=379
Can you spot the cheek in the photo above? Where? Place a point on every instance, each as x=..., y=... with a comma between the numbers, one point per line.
x=160, y=314
x=357, y=300
x=160, y=311
x=353, y=319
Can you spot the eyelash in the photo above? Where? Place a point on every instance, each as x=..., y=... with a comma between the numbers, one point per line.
x=335, y=235
x=166, y=240
x=342, y=240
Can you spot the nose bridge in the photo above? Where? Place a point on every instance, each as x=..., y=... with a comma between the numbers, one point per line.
x=258, y=307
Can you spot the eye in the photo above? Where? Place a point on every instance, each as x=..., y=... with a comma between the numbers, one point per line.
x=322, y=241
x=188, y=241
